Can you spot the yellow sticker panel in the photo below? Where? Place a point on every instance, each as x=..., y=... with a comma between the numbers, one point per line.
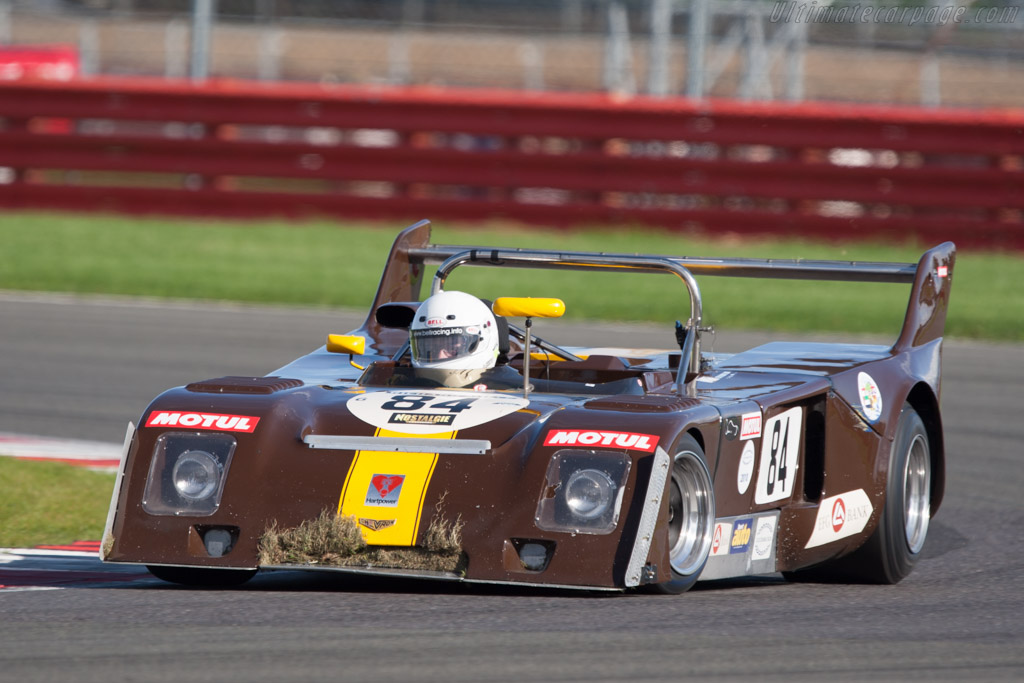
x=384, y=491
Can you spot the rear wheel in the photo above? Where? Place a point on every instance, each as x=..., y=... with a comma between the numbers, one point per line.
x=691, y=516
x=202, y=576
x=893, y=550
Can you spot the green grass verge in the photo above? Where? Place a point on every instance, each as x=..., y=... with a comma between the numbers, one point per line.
x=49, y=502
x=335, y=265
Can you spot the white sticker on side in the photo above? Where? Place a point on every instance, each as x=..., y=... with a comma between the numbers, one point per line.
x=780, y=447
x=750, y=426
x=746, y=471
x=840, y=516
x=764, y=537
x=431, y=412
x=720, y=541
x=870, y=397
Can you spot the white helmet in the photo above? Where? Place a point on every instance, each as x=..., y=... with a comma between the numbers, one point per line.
x=454, y=331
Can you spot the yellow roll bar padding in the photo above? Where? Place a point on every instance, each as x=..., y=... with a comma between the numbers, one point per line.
x=528, y=307
x=346, y=343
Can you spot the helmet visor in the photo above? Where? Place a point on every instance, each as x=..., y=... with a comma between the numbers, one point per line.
x=437, y=345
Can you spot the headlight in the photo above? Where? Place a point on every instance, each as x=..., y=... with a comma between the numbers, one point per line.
x=187, y=473
x=589, y=493
x=196, y=474
x=583, y=492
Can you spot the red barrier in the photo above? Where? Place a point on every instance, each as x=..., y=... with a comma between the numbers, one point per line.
x=251, y=149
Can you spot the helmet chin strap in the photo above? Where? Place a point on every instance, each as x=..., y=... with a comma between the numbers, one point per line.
x=452, y=378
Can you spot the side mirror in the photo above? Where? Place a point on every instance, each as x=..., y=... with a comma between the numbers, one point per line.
x=351, y=344
x=528, y=307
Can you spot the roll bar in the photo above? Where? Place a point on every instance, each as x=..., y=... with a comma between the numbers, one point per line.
x=527, y=258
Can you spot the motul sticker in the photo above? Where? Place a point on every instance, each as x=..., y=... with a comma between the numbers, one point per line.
x=384, y=490
x=720, y=541
x=431, y=412
x=840, y=516
x=750, y=427
x=626, y=440
x=224, y=423
x=870, y=397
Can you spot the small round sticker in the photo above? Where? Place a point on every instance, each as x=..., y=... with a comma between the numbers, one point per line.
x=870, y=397
x=746, y=472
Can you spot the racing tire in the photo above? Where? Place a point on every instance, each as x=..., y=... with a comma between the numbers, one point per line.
x=893, y=549
x=691, y=517
x=201, y=577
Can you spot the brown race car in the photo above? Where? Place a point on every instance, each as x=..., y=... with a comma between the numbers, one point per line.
x=606, y=470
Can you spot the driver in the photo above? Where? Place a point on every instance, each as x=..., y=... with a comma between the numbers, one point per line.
x=454, y=341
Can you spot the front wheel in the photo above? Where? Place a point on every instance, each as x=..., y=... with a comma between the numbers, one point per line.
x=691, y=516
x=202, y=576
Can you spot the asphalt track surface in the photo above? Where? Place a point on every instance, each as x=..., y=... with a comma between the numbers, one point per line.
x=83, y=368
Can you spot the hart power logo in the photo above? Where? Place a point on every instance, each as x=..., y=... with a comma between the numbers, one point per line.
x=384, y=490
x=626, y=440
x=224, y=423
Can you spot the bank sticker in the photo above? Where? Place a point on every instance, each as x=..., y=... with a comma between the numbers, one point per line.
x=780, y=447
x=431, y=412
x=870, y=397
x=840, y=516
x=721, y=539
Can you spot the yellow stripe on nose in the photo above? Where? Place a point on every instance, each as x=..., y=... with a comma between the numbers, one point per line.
x=385, y=491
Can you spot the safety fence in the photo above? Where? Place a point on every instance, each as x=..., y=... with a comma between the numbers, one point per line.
x=244, y=149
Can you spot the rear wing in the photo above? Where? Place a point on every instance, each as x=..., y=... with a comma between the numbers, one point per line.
x=931, y=278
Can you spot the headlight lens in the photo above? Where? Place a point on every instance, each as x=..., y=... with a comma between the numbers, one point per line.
x=187, y=473
x=589, y=493
x=583, y=492
x=195, y=475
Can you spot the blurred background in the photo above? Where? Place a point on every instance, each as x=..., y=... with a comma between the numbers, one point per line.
x=966, y=54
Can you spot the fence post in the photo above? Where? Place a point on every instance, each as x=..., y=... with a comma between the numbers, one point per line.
x=202, y=20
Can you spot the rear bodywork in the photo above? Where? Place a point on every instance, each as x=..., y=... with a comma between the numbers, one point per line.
x=796, y=438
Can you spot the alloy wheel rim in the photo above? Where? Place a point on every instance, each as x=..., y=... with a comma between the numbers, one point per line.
x=916, y=495
x=690, y=514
